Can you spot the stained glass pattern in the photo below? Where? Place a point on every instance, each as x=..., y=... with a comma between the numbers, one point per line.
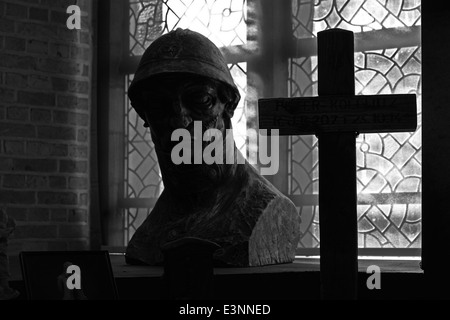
x=356, y=15
x=223, y=22
x=239, y=120
x=389, y=226
x=388, y=164
x=142, y=175
x=134, y=217
x=303, y=150
x=309, y=227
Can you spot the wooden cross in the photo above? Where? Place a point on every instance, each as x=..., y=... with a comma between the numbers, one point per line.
x=336, y=117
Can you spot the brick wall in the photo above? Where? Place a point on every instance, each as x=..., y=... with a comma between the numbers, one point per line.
x=45, y=83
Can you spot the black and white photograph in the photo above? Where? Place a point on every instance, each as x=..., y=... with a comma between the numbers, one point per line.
x=224, y=158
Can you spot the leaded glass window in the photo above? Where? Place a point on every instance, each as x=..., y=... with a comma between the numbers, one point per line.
x=388, y=164
x=387, y=60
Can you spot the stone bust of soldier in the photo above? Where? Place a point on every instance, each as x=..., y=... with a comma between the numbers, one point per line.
x=183, y=78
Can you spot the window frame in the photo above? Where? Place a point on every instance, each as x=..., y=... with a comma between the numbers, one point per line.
x=272, y=67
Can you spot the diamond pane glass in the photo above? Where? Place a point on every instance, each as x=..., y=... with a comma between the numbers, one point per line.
x=310, y=17
x=142, y=175
x=223, y=22
x=389, y=176
x=309, y=227
x=134, y=217
x=239, y=120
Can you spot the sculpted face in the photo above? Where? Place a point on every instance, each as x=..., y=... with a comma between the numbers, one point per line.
x=175, y=102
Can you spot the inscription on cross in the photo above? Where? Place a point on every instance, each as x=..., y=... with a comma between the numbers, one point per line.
x=336, y=116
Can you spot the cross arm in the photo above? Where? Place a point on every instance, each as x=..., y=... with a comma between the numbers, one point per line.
x=363, y=114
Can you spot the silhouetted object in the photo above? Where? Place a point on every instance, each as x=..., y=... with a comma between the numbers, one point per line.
x=336, y=117
x=189, y=269
x=7, y=226
x=182, y=78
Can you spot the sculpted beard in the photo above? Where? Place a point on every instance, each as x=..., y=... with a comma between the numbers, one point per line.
x=199, y=100
x=193, y=178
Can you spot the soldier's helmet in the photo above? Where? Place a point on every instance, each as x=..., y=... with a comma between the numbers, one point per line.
x=180, y=51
